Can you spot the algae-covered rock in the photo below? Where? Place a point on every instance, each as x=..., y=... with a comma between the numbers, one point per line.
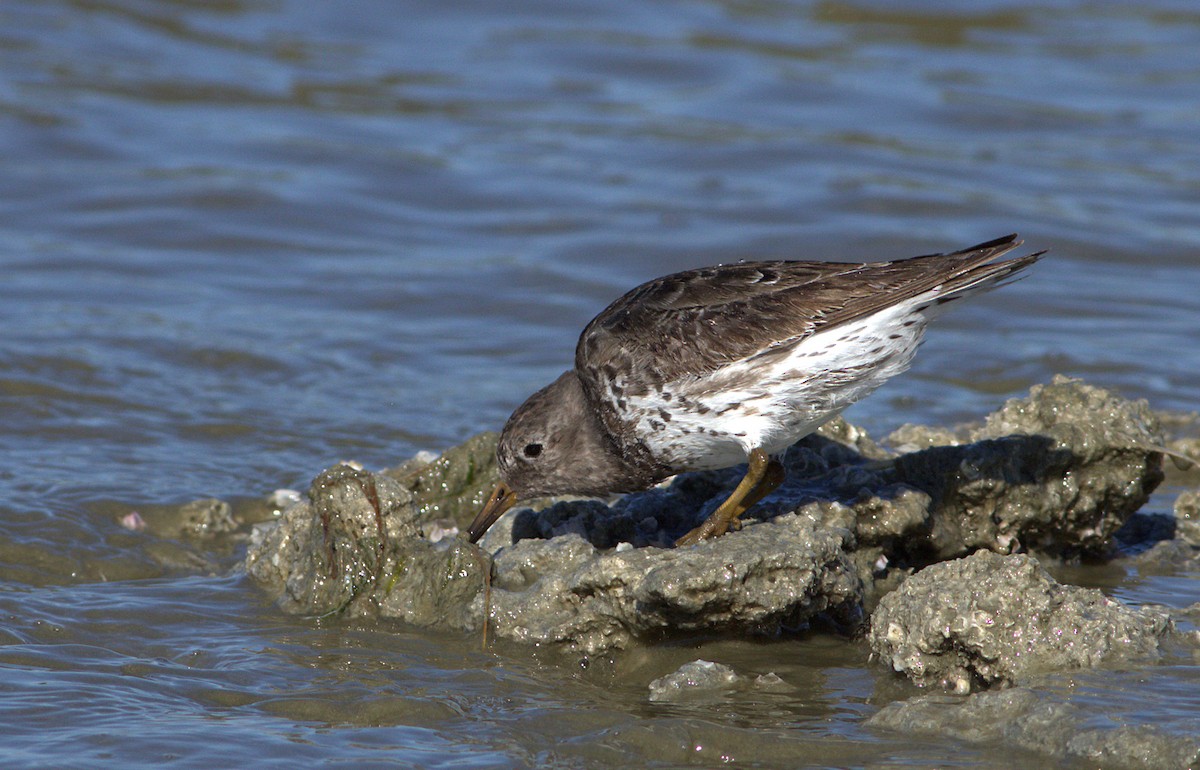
x=355, y=546
x=455, y=484
x=988, y=619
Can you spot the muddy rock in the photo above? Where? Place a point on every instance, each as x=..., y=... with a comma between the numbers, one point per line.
x=1059, y=470
x=777, y=576
x=452, y=486
x=355, y=547
x=208, y=518
x=199, y=535
x=1187, y=517
x=699, y=680
x=1044, y=724
x=1168, y=557
x=702, y=681
x=988, y=619
x=203, y=519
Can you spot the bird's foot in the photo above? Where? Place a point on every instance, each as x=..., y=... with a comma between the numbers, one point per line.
x=713, y=526
x=762, y=475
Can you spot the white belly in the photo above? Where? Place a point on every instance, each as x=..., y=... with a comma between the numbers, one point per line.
x=774, y=399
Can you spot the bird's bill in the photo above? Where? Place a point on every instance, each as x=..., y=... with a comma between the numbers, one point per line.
x=501, y=499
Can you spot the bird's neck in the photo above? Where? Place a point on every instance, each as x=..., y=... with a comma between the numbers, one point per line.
x=622, y=455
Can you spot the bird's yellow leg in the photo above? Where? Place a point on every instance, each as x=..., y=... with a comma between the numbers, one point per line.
x=772, y=478
x=762, y=477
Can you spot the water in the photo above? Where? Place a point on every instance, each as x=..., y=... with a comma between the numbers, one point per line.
x=241, y=241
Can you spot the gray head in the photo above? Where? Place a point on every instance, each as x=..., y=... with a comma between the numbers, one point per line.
x=552, y=445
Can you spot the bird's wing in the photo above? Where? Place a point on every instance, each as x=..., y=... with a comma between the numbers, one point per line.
x=691, y=323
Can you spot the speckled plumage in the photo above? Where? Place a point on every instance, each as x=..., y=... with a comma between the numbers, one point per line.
x=701, y=368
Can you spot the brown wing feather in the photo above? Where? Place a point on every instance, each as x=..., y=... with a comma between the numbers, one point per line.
x=693, y=322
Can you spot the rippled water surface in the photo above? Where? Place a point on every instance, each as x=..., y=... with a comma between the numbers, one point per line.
x=241, y=241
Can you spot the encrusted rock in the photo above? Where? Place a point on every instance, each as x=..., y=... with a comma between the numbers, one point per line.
x=989, y=619
x=772, y=577
x=454, y=485
x=1059, y=470
x=1187, y=517
x=698, y=680
x=702, y=681
x=355, y=547
x=1040, y=726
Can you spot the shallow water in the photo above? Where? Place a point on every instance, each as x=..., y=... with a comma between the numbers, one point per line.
x=242, y=241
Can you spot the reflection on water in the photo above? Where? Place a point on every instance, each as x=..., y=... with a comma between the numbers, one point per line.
x=242, y=241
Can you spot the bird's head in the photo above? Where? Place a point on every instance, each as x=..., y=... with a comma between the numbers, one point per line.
x=553, y=444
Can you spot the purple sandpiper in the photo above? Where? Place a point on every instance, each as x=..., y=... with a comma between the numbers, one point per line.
x=724, y=365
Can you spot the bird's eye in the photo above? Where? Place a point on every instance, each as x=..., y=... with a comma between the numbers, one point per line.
x=532, y=450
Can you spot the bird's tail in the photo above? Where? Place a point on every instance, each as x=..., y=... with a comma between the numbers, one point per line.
x=974, y=270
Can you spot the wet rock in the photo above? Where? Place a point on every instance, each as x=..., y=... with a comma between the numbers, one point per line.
x=1191, y=615
x=1166, y=545
x=702, y=681
x=203, y=519
x=913, y=438
x=1187, y=517
x=1183, y=444
x=845, y=434
x=1059, y=470
x=435, y=585
x=207, y=518
x=355, y=547
x=1046, y=724
x=196, y=536
x=564, y=592
x=454, y=485
x=698, y=680
x=1168, y=557
x=989, y=619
